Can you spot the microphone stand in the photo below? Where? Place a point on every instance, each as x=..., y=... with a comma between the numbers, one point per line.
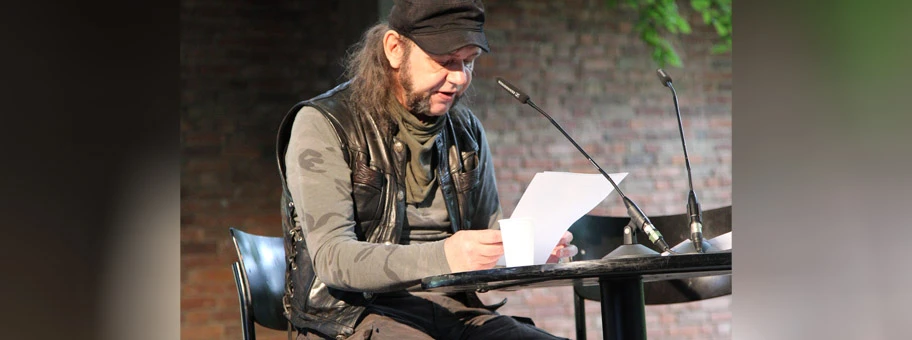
x=637, y=218
x=697, y=244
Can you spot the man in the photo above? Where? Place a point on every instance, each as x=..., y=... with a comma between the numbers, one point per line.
x=388, y=179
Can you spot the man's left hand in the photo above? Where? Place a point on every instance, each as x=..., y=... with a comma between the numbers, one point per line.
x=563, y=249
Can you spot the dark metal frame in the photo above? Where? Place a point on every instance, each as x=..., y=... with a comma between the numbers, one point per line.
x=598, y=235
x=240, y=280
x=622, y=275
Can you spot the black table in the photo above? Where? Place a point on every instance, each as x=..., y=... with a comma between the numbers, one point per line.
x=620, y=281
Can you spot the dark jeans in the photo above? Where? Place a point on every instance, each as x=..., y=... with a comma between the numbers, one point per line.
x=431, y=316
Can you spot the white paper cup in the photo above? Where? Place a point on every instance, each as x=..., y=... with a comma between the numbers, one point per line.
x=518, y=241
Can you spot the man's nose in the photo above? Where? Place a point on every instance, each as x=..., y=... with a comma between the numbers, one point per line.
x=458, y=76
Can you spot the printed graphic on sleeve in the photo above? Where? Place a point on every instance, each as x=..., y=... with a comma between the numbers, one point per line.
x=343, y=187
x=312, y=224
x=308, y=160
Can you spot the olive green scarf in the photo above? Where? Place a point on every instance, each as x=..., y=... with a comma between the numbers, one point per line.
x=419, y=135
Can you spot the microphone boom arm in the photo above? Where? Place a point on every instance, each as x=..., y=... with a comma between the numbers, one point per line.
x=637, y=216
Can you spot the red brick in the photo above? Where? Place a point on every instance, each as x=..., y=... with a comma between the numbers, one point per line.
x=203, y=164
x=202, y=138
x=191, y=248
x=191, y=234
x=210, y=275
x=194, y=318
x=222, y=289
x=196, y=303
x=684, y=331
x=270, y=334
x=203, y=260
x=720, y=316
x=205, y=332
x=228, y=315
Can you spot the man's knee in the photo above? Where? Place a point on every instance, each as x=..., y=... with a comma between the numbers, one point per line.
x=504, y=327
x=375, y=326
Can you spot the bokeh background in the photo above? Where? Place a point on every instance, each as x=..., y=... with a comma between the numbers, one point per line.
x=243, y=64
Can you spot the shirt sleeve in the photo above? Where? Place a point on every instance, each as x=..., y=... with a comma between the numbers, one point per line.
x=320, y=183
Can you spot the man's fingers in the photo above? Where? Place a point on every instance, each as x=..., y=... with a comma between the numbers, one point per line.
x=488, y=236
x=489, y=263
x=556, y=251
x=488, y=250
x=569, y=251
x=562, y=251
x=567, y=237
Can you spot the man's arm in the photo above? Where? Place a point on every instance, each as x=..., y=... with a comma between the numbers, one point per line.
x=489, y=204
x=320, y=183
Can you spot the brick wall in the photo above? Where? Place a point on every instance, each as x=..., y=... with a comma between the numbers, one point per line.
x=244, y=63
x=583, y=64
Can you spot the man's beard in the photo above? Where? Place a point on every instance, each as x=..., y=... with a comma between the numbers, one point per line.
x=419, y=104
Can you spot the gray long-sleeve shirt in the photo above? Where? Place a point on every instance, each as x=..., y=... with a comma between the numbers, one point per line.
x=320, y=183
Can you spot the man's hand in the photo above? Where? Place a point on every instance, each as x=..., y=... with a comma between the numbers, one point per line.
x=470, y=250
x=563, y=248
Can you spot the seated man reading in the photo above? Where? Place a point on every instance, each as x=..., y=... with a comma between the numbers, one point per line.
x=388, y=179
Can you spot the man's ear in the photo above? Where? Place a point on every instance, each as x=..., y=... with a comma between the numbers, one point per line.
x=392, y=47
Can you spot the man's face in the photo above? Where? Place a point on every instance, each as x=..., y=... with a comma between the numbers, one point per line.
x=432, y=83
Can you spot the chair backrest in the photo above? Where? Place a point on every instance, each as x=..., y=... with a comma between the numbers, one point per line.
x=260, y=275
x=676, y=228
x=596, y=236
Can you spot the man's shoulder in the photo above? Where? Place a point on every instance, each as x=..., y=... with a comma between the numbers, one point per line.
x=333, y=97
x=334, y=105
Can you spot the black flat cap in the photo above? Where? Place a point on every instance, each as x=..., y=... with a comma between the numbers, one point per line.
x=440, y=26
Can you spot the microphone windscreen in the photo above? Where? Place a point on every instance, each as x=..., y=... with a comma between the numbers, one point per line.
x=519, y=95
x=663, y=77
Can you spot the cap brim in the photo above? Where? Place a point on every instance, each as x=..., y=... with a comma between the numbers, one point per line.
x=446, y=42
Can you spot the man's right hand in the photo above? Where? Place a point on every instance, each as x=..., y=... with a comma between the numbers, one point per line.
x=469, y=250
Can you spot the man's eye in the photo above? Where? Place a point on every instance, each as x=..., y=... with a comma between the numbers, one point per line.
x=451, y=62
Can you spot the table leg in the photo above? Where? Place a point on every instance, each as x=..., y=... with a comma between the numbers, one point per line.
x=579, y=313
x=623, y=309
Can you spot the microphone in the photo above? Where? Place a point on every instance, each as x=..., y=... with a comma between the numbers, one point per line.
x=636, y=215
x=694, y=212
x=663, y=77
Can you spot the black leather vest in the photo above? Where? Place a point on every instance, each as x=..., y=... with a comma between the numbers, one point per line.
x=377, y=160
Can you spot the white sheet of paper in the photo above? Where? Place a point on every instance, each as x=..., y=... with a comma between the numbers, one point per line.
x=554, y=200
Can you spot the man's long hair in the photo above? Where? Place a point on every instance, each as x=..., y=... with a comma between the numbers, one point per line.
x=372, y=78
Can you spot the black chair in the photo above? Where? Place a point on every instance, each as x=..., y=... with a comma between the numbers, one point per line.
x=596, y=236
x=260, y=278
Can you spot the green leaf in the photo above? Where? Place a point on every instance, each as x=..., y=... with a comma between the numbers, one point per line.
x=673, y=59
x=720, y=48
x=656, y=17
x=699, y=5
x=650, y=34
x=720, y=28
x=685, y=27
